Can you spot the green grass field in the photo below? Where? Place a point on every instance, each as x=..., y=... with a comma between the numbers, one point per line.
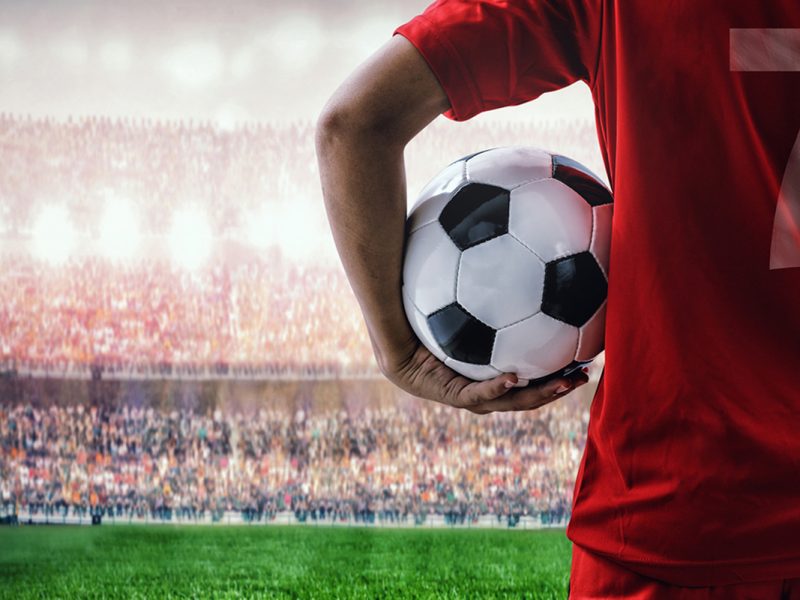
x=281, y=562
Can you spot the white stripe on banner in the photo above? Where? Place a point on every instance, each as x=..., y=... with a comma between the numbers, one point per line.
x=765, y=49
x=776, y=50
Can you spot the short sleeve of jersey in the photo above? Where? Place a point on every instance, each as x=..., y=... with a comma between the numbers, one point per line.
x=488, y=54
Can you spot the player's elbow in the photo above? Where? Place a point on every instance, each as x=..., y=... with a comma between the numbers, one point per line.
x=332, y=125
x=348, y=122
x=385, y=102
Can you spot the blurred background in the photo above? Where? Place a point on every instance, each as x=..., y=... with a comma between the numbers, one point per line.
x=177, y=338
x=224, y=62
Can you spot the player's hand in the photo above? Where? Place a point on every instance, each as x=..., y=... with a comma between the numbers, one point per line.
x=425, y=376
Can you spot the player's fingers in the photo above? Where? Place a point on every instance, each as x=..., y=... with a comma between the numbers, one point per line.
x=497, y=394
x=516, y=402
x=580, y=376
x=479, y=392
x=530, y=398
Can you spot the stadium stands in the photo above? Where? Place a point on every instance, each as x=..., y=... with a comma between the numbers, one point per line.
x=399, y=460
x=160, y=166
x=265, y=319
x=276, y=309
x=262, y=314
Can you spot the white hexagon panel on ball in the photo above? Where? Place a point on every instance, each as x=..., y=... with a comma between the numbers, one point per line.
x=509, y=167
x=419, y=324
x=601, y=236
x=427, y=212
x=500, y=281
x=535, y=347
x=550, y=218
x=476, y=372
x=591, y=336
x=430, y=268
x=444, y=183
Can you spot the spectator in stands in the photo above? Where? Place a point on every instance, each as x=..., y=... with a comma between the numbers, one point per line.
x=365, y=465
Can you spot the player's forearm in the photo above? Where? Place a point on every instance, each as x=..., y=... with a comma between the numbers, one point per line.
x=364, y=188
x=360, y=140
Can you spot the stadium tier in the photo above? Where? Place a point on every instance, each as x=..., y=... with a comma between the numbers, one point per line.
x=261, y=319
x=327, y=451
x=178, y=342
x=159, y=166
x=139, y=249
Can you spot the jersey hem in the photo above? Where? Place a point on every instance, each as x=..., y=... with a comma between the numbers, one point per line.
x=447, y=65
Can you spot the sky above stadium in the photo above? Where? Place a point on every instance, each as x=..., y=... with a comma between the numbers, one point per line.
x=224, y=61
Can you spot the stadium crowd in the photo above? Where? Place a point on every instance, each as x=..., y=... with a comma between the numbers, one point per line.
x=258, y=317
x=395, y=462
x=230, y=172
x=268, y=315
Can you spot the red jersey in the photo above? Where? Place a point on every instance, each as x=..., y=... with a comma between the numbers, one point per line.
x=691, y=472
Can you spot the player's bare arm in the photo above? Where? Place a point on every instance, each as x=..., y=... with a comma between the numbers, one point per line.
x=361, y=136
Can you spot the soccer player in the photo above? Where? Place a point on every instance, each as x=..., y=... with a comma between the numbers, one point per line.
x=689, y=486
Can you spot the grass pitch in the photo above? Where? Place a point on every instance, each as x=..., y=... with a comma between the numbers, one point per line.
x=281, y=562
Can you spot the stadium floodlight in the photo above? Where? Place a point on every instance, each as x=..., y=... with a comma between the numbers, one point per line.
x=119, y=235
x=299, y=230
x=190, y=238
x=194, y=64
x=229, y=116
x=261, y=229
x=292, y=226
x=53, y=235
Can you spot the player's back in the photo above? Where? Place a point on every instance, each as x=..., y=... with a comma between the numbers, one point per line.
x=691, y=467
x=692, y=458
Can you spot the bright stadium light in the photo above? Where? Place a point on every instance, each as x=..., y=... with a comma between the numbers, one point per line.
x=294, y=227
x=300, y=232
x=229, y=116
x=53, y=235
x=190, y=238
x=195, y=64
x=119, y=234
x=261, y=230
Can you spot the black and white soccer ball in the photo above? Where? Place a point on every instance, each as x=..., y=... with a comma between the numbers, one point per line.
x=506, y=264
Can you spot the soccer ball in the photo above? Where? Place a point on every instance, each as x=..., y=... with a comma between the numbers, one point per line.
x=506, y=264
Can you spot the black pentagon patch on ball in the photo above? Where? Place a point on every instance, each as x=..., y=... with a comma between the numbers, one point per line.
x=581, y=180
x=462, y=336
x=476, y=213
x=574, y=288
